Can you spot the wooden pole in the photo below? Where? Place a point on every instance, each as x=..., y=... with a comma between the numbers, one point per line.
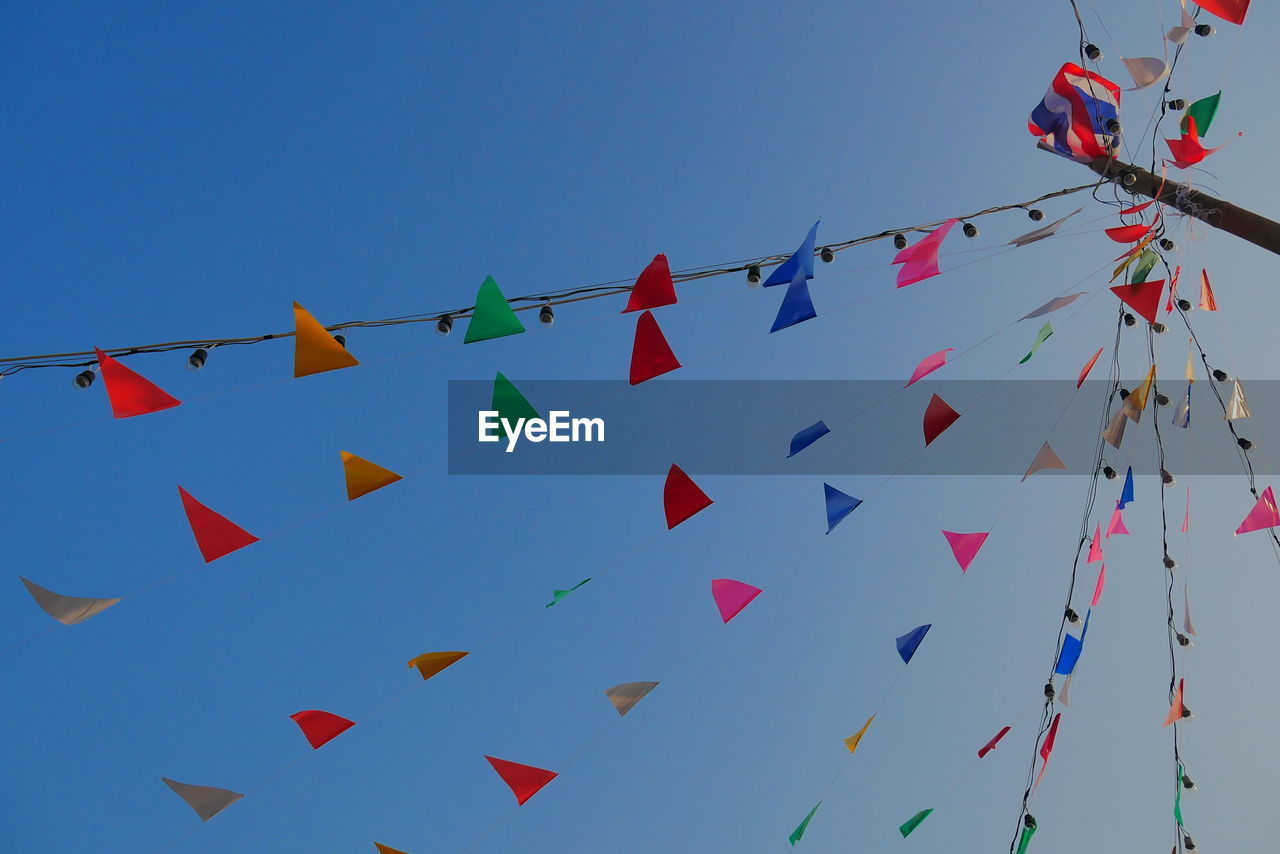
x=1225, y=216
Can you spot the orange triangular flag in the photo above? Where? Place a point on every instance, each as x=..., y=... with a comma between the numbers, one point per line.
x=431, y=663
x=1175, y=710
x=215, y=535
x=1207, y=302
x=364, y=477
x=131, y=393
x=314, y=349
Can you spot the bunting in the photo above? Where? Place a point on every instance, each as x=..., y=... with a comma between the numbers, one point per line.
x=493, y=316
x=651, y=355
x=654, y=287
x=216, y=535
x=130, y=393
x=920, y=261
x=315, y=350
x=681, y=497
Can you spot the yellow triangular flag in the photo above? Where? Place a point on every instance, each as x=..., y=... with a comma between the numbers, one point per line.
x=852, y=741
x=1136, y=402
x=1191, y=372
x=314, y=349
x=431, y=663
x=364, y=477
x=387, y=849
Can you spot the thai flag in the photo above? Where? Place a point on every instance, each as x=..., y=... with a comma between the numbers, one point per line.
x=1072, y=118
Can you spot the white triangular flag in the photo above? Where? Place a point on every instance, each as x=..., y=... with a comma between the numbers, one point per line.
x=207, y=801
x=1114, y=434
x=1045, y=459
x=1145, y=71
x=1042, y=232
x=1186, y=613
x=67, y=610
x=1238, y=407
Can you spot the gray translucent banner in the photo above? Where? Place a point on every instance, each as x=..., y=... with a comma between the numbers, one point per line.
x=746, y=427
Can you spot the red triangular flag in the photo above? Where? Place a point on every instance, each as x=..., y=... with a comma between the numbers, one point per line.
x=215, y=535
x=321, y=727
x=131, y=393
x=524, y=780
x=1207, y=301
x=1228, y=10
x=1144, y=297
x=1084, y=372
x=938, y=416
x=653, y=288
x=1173, y=287
x=651, y=355
x=681, y=497
x=1128, y=233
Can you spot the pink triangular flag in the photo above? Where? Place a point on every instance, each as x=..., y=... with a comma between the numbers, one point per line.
x=1186, y=514
x=965, y=546
x=920, y=261
x=1117, y=522
x=1046, y=458
x=1263, y=514
x=1097, y=590
x=1095, y=547
x=1046, y=748
x=930, y=364
x=732, y=596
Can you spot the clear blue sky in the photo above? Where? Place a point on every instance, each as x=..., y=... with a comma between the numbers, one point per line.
x=179, y=171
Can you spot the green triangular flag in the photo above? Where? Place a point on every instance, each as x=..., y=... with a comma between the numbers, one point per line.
x=493, y=317
x=1203, y=110
x=509, y=403
x=799, y=831
x=1177, y=798
x=557, y=595
x=1027, y=833
x=1146, y=261
x=1041, y=337
x=914, y=822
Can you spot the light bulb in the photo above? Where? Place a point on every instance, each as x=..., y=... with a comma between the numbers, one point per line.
x=341, y=339
x=1035, y=214
x=1108, y=472
x=1159, y=328
x=84, y=379
x=1177, y=104
x=1184, y=304
x=1093, y=52
x=546, y=315
x=1129, y=179
x=1205, y=30
x=1244, y=443
x=1220, y=375
x=445, y=324
x=827, y=255
x=899, y=241
x=197, y=359
x=1129, y=319
x=753, y=275
x=970, y=230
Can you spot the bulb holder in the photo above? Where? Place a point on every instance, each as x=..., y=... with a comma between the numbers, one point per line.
x=1029, y=821
x=899, y=241
x=1036, y=214
x=1245, y=444
x=753, y=275
x=84, y=379
x=1166, y=478
x=1170, y=563
x=1220, y=375
x=546, y=315
x=1072, y=616
x=1124, y=393
x=1188, y=843
x=1093, y=52
x=1129, y=319
x=445, y=324
x=970, y=230
x=1186, y=713
x=1205, y=30
x=1187, y=783
x=341, y=339
x=827, y=255
x=1162, y=399
x=1108, y=472
x=1129, y=179
x=1048, y=690
x=1184, y=304
x=197, y=359
x=1167, y=245
x=1183, y=641
x=1159, y=328
x=1177, y=104
x=1113, y=127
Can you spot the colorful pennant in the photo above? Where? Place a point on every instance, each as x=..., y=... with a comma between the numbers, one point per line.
x=920, y=261
x=1053, y=305
x=938, y=416
x=915, y=821
x=1046, y=458
x=67, y=610
x=431, y=663
x=930, y=364
x=965, y=547
x=1144, y=298
x=315, y=350
x=320, y=728
x=625, y=696
x=839, y=505
x=525, y=781
x=493, y=316
x=681, y=497
x=732, y=596
x=807, y=437
x=1208, y=302
x=1041, y=233
x=1176, y=707
x=1084, y=372
x=991, y=745
x=910, y=642
x=207, y=801
x=797, y=305
x=509, y=403
x=1041, y=337
x=1232, y=11
x=651, y=355
x=557, y=595
x=1263, y=515
x=363, y=476
x=800, y=262
x=216, y=535
x=654, y=287
x=129, y=392
x=1202, y=113
x=1097, y=588
x=851, y=743
x=799, y=831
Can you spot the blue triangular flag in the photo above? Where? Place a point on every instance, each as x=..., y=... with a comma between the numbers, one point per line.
x=800, y=261
x=1126, y=494
x=807, y=437
x=839, y=505
x=797, y=305
x=1071, y=647
x=908, y=643
x=1182, y=414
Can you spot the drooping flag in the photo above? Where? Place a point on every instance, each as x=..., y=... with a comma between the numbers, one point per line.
x=1040, y=234
x=1084, y=372
x=807, y=437
x=1046, y=458
x=1095, y=547
x=938, y=416
x=1202, y=112
x=991, y=745
x=1175, y=708
x=681, y=497
x=363, y=476
x=797, y=305
x=914, y=822
x=1130, y=255
x=1041, y=337
x=929, y=364
x=910, y=642
x=1232, y=11
x=1144, y=298
x=1046, y=748
x=625, y=696
x=493, y=316
x=1263, y=515
x=207, y=801
x=1182, y=412
x=1116, y=526
x=1186, y=514
x=525, y=781
x=653, y=288
x=1187, y=625
x=216, y=535
x=1072, y=646
x=1208, y=302
x=1136, y=402
x=1179, y=34
x=732, y=596
x=1138, y=273
x=1072, y=118
x=430, y=663
x=1097, y=588
x=651, y=355
x=129, y=392
x=1237, y=407
x=320, y=728
x=315, y=350
x=508, y=402
x=1114, y=434
x=1024, y=841
x=1126, y=492
x=1053, y=305
x=799, y=831
x=67, y=610
x=801, y=261
x=557, y=595
x=920, y=260
x=1145, y=70
x=387, y=849
x=965, y=546
x=851, y=743
x=839, y=505
x=1187, y=150
x=1173, y=289
x=1128, y=233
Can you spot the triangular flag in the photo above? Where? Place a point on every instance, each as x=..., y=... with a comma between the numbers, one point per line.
x=557, y=595
x=681, y=497
x=1179, y=34
x=1084, y=372
x=320, y=728
x=965, y=546
x=920, y=262
x=1097, y=588
x=1144, y=298
x=1146, y=261
x=1232, y=11
x=315, y=350
x=1066, y=689
x=524, y=780
x=431, y=663
x=1128, y=233
x=807, y=437
x=1202, y=112
x=1187, y=150
x=493, y=316
x=651, y=355
x=1208, y=302
x=1095, y=547
x=930, y=364
x=1040, y=234
x=839, y=505
x=801, y=261
x=1175, y=709
x=1131, y=255
x=1182, y=412
x=1136, y=402
x=654, y=287
x=129, y=392
x=1041, y=337
x=207, y=801
x=991, y=745
x=1046, y=748
x=1136, y=209
x=1191, y=372
x=1114, y=434
x=1263, y=514
x=509, y=403
x=854, y=740
x=910, y=642
x=1126, y=492
x=1024, y=841
x=1237, y=407
x=1053, y=305
x=914, y=822
x=938, y=416
x=1145, y=70
x=797, y=305
x=1187, y=625
x=732, y=596
x=1186, y=514
x=67, y=610
x=1071, y=648
x=387, y=849
x=1116, y=525
x=625, y=696
x=1173, y=289
x=799, y=831
x=363, y=476
x=1046, y=458
x=215, y=535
